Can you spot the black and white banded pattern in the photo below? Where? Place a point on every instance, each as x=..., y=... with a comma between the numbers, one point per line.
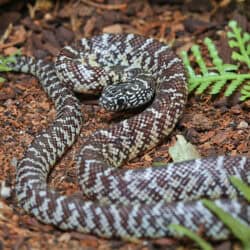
x=123, y=203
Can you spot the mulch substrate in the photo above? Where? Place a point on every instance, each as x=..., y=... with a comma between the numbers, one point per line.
x=216, y=125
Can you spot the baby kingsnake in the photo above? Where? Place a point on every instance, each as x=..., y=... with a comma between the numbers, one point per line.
x=131, y=203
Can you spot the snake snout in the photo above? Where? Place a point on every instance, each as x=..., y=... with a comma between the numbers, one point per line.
x=127, y=95
x=113, y=99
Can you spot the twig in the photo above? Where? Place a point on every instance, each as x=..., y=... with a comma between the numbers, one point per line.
x=6, y=33
x=106, y=6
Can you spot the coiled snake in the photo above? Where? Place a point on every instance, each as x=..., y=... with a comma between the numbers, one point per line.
x=123, y=203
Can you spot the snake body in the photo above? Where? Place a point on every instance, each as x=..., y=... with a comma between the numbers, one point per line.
x=123, y=203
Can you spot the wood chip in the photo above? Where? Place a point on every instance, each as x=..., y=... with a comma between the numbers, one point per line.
x=116, y=28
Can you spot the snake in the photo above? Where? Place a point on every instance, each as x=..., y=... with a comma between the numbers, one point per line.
x=127, y=71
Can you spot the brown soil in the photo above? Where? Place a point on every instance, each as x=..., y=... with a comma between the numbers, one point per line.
x=216, y=125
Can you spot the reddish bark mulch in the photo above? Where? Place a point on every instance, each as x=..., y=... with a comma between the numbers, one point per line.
x=216, y=125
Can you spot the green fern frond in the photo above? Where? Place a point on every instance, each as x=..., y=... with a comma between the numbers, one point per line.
x=220, y=74
x=197, y=54
x=245, y=92
x=240, y=41
x=233, y=86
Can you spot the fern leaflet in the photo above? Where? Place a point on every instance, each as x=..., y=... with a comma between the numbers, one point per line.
x=240, y=41
x=220, y=74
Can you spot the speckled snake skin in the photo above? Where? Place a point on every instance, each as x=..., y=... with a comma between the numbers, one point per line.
x=123, y=203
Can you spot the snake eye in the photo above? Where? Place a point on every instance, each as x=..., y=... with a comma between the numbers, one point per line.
x=120, y=102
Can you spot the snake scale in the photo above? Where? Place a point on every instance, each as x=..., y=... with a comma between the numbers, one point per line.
x=123, y=203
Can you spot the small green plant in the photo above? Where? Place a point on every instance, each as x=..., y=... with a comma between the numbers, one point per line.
x=186, y=232
x=238, y=229
x=4, y=63
x=241, y=186
x=220, y=74
x=241, y=42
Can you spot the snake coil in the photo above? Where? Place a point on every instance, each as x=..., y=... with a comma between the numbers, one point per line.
x=123, y=203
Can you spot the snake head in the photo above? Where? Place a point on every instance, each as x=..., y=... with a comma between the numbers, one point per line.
x=127, y=95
